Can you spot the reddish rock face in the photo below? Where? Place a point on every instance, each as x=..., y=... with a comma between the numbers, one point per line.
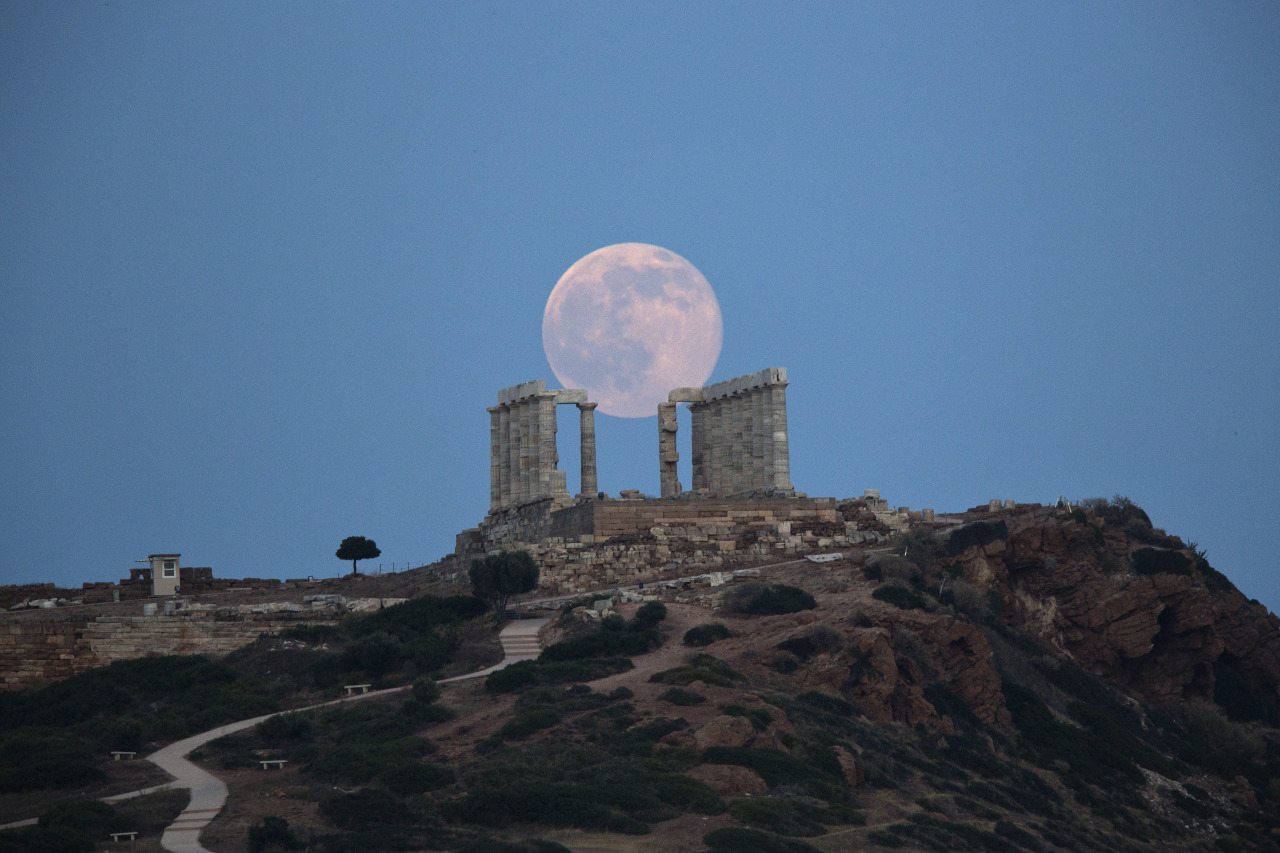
x=1071, y=584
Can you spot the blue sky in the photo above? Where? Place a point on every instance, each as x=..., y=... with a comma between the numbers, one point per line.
x=264, y=265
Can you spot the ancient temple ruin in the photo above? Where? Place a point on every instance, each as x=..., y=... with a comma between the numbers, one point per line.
x=739, y=440
x=739, y=437
x=522, y=444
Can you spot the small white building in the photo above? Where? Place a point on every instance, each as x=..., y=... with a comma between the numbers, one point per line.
x=164, y=573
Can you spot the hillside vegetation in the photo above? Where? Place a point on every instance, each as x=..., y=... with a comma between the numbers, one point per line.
x=1029, y=681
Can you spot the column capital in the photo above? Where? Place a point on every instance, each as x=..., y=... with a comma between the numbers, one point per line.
x=586, y=407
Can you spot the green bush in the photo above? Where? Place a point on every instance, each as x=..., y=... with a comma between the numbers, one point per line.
x=679, y=696
x=366, y=808
x=785, y=817
x=650, y=614
x=705, y=635
x=736, y=840
x=759, y=717
x=817, y=640
x=602, y=643
x=41, y=839
x=979, y=533
x=286, y=727
x=899, y=596
x=92, y=817
x=528, y=673
x=1150, y=561
x=873, y=572
x=426, y=690
x=827, y=704
x=781, y=768
x=417, y=778
x=273, y=834
x=529, y=722
x=704, y=668
x=756, y=599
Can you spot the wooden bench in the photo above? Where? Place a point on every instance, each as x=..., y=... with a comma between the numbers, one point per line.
x=267, y=762
x=122, y=754
x=124, y=836
x=352, y=688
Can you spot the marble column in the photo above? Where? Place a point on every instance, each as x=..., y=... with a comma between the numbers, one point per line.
x=545, y=482
x=668, y=455
x=504, y=454
x=759, y=439
x=526, y=450
x=495, y=452
x=587, y=420
x=698, y=446
x=778, y=447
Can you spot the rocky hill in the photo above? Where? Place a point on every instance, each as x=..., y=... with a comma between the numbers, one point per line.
x=1029, y=679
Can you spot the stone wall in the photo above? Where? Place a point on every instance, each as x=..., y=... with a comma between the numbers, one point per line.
x=599, y=543
x=36, y=648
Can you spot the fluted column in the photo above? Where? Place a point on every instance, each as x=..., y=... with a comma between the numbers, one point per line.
x=495, y=451
x=698, y=446
x=779, y=450
x=526, y=449
x=504, y=455
x=587, y=421
x=544, y=479
x=668, y=455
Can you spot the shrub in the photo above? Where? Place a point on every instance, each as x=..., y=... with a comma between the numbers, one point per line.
x=283, y=727
x=908, y=644
x=603, y=643
x=525, y=724
x=873, y=572
x=376, y=654
x=785, y=817
x=417, y=778
x=900, y=568
x=91, y=817
x=968, y=600
x=921, y=546
x=364, y=809
x=273, y=834
x=735, y=840
x=679, y=696
x=780, y=768
x=826, y=704
x=1150, y=561
x=760, y=600
x=426, y=690
x=759, y=717
x=649, y=615
x=979, y=533
x=705, y=635
x=899, y=596
x=704, y=668
x=817, y=640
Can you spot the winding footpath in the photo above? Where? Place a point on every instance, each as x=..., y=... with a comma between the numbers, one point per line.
x=209, y=793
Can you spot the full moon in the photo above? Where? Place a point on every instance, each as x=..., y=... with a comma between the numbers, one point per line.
x=630, y=322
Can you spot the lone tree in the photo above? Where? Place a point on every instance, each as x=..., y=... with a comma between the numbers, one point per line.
x=355, y=548
x=499, y=576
